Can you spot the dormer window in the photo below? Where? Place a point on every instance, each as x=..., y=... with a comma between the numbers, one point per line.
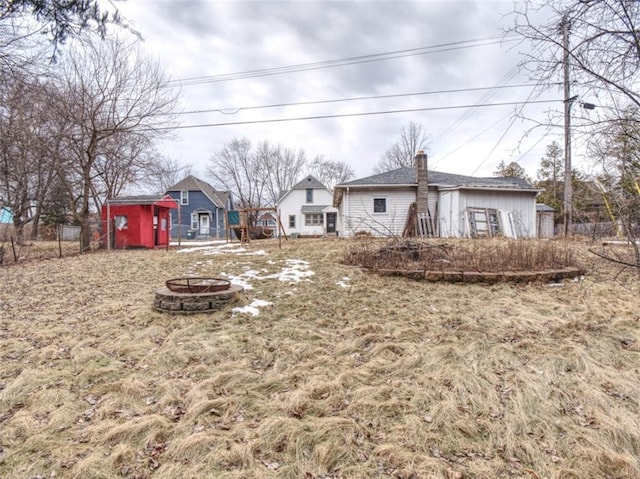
x=309, y=195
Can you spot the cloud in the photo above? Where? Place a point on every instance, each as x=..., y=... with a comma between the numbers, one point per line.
x=211, y=38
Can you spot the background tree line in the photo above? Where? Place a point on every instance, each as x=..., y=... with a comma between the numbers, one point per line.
x=260, y=175
x=79, y=129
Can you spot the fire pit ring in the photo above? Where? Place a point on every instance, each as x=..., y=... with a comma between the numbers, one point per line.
x=197, y=285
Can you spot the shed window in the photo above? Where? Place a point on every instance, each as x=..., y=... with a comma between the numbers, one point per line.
x=121, y=222
x=184, y=197
x=309, y=195
x=379, y=205
x=313, y=219
x=292, y=221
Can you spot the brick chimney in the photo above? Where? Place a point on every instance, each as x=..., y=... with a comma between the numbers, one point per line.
x=422, y=196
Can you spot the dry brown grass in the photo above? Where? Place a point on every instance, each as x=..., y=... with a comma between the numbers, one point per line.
x=488, y=256
x=386, y=377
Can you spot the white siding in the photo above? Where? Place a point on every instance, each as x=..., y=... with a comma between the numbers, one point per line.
x=448, y=214
x=522, y=204
x=291, y=205
x=356, y=212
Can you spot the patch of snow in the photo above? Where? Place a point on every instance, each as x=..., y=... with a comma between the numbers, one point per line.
x=259, y=252
x=295, y=272
x=344, y=282
x=239, y=280
x=197, y=243
x=253, y=308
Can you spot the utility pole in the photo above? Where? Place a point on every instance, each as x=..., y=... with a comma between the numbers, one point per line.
x=568, y=193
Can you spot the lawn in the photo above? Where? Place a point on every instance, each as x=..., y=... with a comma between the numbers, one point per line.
x=323, y=371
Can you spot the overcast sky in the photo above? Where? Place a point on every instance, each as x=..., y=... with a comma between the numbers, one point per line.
x=445, y=45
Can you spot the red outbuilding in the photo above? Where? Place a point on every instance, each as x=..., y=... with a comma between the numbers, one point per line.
x=138, y=221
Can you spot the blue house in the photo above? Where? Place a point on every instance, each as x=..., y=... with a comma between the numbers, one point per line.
x=202, y=209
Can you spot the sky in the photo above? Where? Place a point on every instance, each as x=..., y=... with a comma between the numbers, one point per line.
x=250, y=65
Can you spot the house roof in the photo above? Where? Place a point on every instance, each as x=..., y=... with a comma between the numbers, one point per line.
x=191, y=183
x=158, y=200
x=308, y=182
x=313, y=208
x=407, y=176
x=543, y=207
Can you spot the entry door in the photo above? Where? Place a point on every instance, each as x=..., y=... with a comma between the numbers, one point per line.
x=331, y=222
x=204, y=225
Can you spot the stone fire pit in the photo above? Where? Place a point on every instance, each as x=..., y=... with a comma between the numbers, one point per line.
x=196, y=295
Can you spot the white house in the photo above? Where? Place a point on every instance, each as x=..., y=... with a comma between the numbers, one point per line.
x=452, y=205
x=307, y=209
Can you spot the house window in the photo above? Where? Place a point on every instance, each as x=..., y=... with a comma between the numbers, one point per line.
x=309, y=195
x=121, y=222
x=194, y=221
x=184, y=197
x=292, y=221
x=379, y=205
x=314, y=219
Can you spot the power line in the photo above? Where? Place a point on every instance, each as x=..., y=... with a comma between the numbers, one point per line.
x=439, y=48
x=485, y=97
x=235, y=110
x=343, y=115
x=513, y=120
x=438, y=160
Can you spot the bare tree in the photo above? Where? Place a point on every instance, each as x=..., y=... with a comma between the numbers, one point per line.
x=26, y=172
x=402, y=152
x=58, y=20
x=160, y=172
x=281, y=166
x=603, y=50
x=235, y=168
x=112, y=101
x=617, y=152
x=330, y=172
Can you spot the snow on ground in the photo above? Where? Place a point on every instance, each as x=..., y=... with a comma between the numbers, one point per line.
x=218, y=247
x=253, y=308
x=293, y=271
x=344, y=282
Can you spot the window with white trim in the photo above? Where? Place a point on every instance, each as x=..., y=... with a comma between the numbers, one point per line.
x=194, y=221
x=292, y=221
x=309, y=195
x=379, y=205
x=184, y=197
x=313, y=219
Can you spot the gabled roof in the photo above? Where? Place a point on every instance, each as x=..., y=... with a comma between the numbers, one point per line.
x=309, y=182
x=407, y=176
x=191, y=183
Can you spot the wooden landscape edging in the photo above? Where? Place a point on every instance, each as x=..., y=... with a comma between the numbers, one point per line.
x=549, y=275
